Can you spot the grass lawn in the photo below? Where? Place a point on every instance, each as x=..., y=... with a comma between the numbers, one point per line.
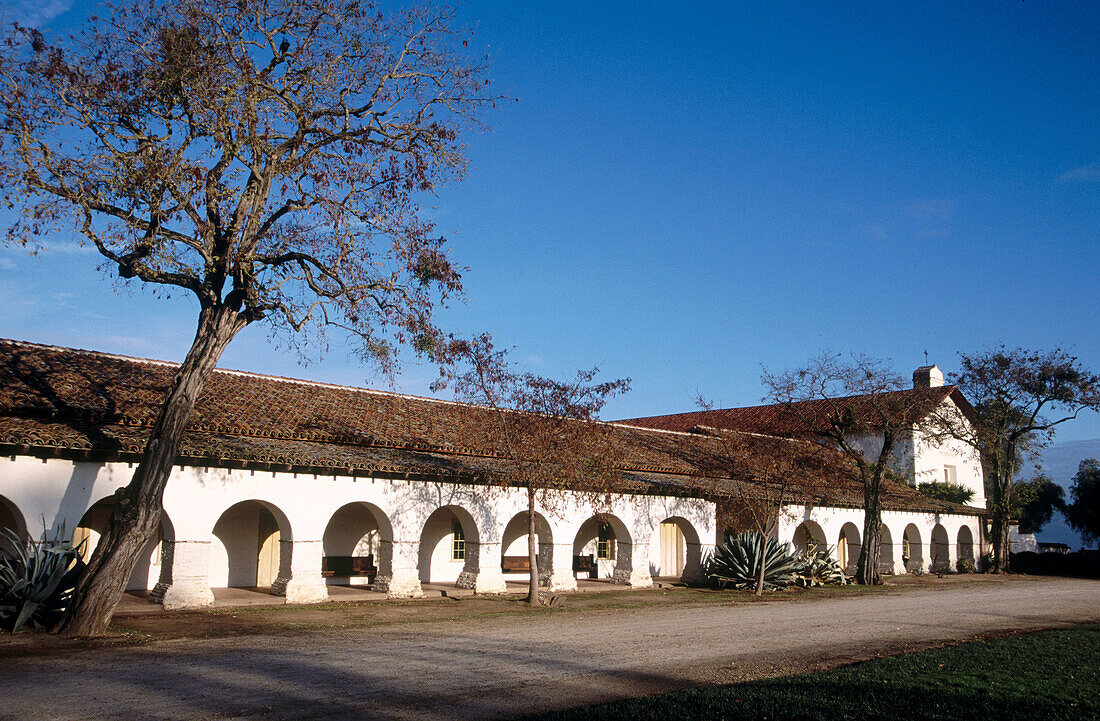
x=1045, y=675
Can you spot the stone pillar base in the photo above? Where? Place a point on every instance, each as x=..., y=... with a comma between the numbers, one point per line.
x=156, y=593
x=278, y=586
x=693, y=575
x=561, y=579
x=634, y=579
x=482, y=582
x=399, y=586
x=309, y=590
x=179, y=596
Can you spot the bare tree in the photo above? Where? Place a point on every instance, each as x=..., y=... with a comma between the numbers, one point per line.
x=264, y=157
x=1019, y=397
x=861, y=407
x=769, y=474
x=547, y=431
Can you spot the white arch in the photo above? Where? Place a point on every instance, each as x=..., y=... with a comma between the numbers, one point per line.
x=885, y=550
x=940, y=549
x=912, y=549
x=677, y=550
x=605, y=541
x=514, y=550
x=357, y=544
x=965, y=542
x=250, y=546
x=156, y=558
x=449, y=545
x=809, y=533
x=848, y=548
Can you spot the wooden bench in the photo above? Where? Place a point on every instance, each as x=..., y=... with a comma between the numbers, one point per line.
x=349, y=566
x=515, y=564
x=586, y=564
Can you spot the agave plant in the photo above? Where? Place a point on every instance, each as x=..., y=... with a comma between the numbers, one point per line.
x=37, y=579
x=819, y=568
x=736, y=562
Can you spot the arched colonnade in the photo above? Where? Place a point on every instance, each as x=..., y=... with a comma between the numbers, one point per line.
x=909, y=542
x=267, y=545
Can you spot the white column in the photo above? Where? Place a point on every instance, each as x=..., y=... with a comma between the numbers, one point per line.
x=306, y=584
x=952, y=554
x=561, y=576
x=482, y=572
x=632, y=565
x=403, y=581
x=693, y=565
x=190, y=584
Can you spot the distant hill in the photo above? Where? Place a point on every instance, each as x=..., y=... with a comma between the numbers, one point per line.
x=1060, y=462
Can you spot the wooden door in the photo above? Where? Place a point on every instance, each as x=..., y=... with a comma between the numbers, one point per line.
x=673, y=550
x=268, y=549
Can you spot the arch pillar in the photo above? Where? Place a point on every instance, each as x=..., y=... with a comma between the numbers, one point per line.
x=301, y=581
x=693, y=565
x=481, y=574
x=637, y=575
x=188, y=584
x=403, y=580
x=560, y=575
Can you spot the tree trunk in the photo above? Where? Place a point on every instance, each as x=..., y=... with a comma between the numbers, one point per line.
x=763, y=565
x=1002, y=505
x=532, y=549
x=136, y=513
x=867, y=571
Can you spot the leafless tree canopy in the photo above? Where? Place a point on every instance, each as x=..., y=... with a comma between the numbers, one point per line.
x=844, y=401
x=1019, y=398
x=266, y=157
x=262, y=154
x=548, y=431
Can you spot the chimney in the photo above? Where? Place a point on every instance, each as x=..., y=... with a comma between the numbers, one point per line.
x=928, y=377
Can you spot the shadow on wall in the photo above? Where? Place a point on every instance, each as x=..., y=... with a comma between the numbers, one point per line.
x=77, y=497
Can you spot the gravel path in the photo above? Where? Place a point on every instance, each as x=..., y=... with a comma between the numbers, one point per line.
x=504, y=667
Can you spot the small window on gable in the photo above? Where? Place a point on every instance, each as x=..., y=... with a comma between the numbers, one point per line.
x=458, y=542
x=605, y=542
x=949, y=475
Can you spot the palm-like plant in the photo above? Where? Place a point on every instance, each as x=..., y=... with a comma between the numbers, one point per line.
x=736, y=562
x=37, y=580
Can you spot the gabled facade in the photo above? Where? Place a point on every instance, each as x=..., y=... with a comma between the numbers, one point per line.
x=918, y=457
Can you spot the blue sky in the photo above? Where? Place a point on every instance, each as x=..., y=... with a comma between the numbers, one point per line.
x=685, y=195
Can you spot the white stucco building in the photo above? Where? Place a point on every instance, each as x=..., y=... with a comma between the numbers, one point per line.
x=932, y=540
x=294, y=486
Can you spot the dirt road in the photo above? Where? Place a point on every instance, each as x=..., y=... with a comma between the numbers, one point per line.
x=504, y=667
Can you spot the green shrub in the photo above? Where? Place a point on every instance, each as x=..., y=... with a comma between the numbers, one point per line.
x=736, y=562
x=965, y=565
x=37, y=579
x=946, y=491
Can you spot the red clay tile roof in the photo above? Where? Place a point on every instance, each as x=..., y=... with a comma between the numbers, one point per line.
x=73, y=403
x=802, y=419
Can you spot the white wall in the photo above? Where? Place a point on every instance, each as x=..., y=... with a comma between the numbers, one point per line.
x=56, y=493
x=832, y=520
x=932, y=456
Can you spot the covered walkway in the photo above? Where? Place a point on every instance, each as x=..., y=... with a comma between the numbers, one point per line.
x=137, y=602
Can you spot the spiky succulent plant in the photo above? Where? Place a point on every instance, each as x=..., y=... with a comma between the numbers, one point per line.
x=37, y=579
x=819, y=569
x=736, y=562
